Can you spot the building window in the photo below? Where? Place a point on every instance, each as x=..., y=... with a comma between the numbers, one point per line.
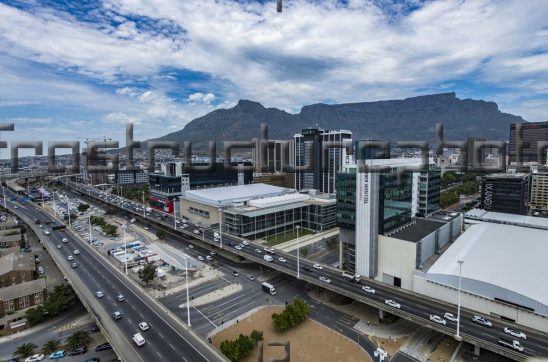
x=198, y=212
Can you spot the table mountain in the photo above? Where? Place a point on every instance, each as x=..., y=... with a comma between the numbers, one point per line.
x=408, y=119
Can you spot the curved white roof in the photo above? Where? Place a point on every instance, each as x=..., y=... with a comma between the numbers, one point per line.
x=279, y=200
x=224, y=196
x=500, y=261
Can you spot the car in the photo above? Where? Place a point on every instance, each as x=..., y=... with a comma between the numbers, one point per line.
x=325, y=279
x=35, y=357
x=235, y=273
x=245, y=242
x=117, y=315
x=76, y=252
x=58, y=246
x=281, y=259
x=65, y=240
x=57, y=355
x=212, y=253
x=143, y=326
x=94, y=329
x=480, y=320
x=70, y=257
x=317, y=266
x=307, y=268
x=46, y=232
x=200, y=258
x=197, y=232
x=74, y=265
x=191, y=246
x=209, y=257
x=238, y=247
x=258, y=251
x=103, y=347
x=450, y=317
x=146, y=228
x=93, y=359
x=515, y=333
x=37, y=260
x=138, y=339
x=40, y=270
x=250, y=277
x=437, y=319
x=120, y=298
x=392, y=303
x=216, y=239
x=78, y=351
x=368, y=289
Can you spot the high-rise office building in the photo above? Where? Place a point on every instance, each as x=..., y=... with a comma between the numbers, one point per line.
x=323, y=165
x=507, y=193
x=539, y=191
x=533, y=133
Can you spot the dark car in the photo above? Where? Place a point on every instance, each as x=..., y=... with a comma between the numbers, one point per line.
x=103, y=347
x=94, y=329
x=307, y=268
x=78, y=351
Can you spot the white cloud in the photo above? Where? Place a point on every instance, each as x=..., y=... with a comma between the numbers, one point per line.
x=201, y=98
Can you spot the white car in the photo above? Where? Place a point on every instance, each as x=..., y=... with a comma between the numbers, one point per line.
x=196, y=232
x=437, y=319
x=99, y=294
x=70, y=257
x=392, y=303
x=238, y=247
x=282, y=259
x=65, y=240
x=245, y=242
x=324, y=279
x=34, y=358
x=515, y=333
x=258, y=251
x=58, y=246
x=138, y=339
x=450, y=317
x=367, y=289
x=76, y=252
x=212, y=253
x=143, y=326
x=209, y=257
x=480, y=320
x=200, y=258
x=191, y=246
x=40, y=270
x=317, y=266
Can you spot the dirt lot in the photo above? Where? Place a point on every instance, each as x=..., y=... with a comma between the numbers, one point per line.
x=310, y=341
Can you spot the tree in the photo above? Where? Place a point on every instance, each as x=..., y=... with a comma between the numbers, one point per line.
x=77, y=339
x=292, y=315
x=83, y=207
x=35, y=315
x=160, y=234
x=25, y=350
x=51, y=346
x=147, y=273
x=304, y=252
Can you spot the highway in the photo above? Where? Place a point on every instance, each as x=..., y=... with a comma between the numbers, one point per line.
x=414, y=307
x=167, y=340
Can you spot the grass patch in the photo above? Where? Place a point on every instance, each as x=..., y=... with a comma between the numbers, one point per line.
x=286, y=236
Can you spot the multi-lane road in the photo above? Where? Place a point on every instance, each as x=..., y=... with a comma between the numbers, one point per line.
x=166, y=340
x=414, y=307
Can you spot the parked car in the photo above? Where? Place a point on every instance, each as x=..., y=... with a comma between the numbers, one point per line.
x=58, y=246
x=392, y=303
x=515, y=333
x=200, y=258
x=78, y=351
x=70, y=257
x=103, y=347
x=76, y=252
x=437, y=319
x=65, y=240
x=35, y=358
x=209, y=257
x=57, y=355
x=480, y=320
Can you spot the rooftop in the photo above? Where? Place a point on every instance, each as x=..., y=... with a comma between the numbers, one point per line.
x=504, y=218
x=416, y=230
x=23, y=289
x=225, y=196
x=499, y=261
x=16, y=261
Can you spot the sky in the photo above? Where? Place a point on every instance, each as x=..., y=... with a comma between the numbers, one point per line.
x=71, y=70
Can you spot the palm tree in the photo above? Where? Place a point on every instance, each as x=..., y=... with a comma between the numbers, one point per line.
x=51, y=346
x=78, y=338
x=25, y=350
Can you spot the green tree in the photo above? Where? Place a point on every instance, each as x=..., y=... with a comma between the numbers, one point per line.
x=160, y=234
x=35, y=315
x=256, y=336
x=77, y=339
x=83, y=207
x=231, y=350
x=293, y=314
x=147, y=273
x=51, y=346
x=25, y=350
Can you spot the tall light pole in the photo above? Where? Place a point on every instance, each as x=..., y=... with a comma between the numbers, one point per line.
x=4, y=193
x=187, y=298
x=89, y=220
x=221, y=226
x=144, y=214
x=298, y=252
x=125, y=246
x=68, y=210
x=457, y=336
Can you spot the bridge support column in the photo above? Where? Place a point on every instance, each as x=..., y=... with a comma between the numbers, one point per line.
x=381, y=314
x=477, y=350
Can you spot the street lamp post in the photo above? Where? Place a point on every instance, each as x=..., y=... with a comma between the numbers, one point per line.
x=89, y=221
x=144, y=214
x=221, y=226
x=187, y=298
x=298, y=252
x=68, y=211
x=4, y=193
x=457, y=336
x=125, y=246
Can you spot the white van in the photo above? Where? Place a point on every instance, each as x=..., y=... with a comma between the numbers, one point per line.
x=138, y=339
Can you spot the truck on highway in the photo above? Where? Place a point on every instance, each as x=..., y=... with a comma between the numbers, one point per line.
x=512, y=344
x=269, y=288
x=268, y=258
x=352, y=277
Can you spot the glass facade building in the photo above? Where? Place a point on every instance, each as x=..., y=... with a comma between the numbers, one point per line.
x=507, y=193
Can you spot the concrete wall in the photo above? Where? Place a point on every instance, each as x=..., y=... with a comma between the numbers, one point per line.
x=213, y=218
x=479, y=303
x=397, y=258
